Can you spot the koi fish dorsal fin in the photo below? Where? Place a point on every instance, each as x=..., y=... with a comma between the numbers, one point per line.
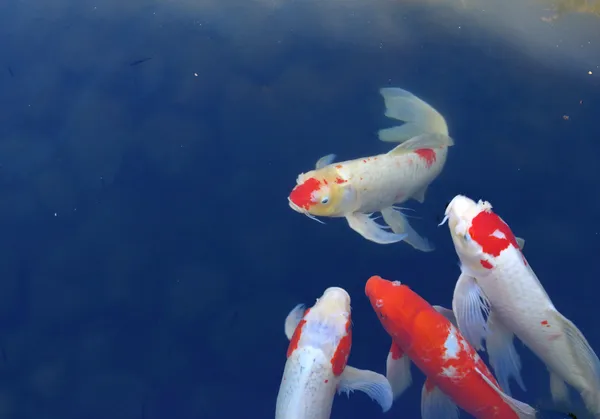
x=325, y=161
x=422, y=141
x=292, y=320
x=418, y=116
x=447, y=313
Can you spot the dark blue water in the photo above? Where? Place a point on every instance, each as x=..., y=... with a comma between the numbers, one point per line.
x=148, y=256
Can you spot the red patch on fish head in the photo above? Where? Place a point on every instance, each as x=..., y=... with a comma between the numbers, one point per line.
x=492, y=233
x=427, y=154
x=302, y=195
x=342, y=352
x=396, y=306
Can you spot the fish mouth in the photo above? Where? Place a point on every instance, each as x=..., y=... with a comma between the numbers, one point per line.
x=296, y=207
x=303, y=211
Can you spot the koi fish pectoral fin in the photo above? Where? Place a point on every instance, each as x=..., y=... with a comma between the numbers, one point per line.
x=469, y=304
x=520, y=242
x=398, y=370
x=523, y=410
x=502, y=354
x=292, y=320
x=587, y=360
x=559, y=390
x=447, y=313
x=325, y=161
x=364, y=225
x=400, y=225
x=373, y=384
x=422, y=141
x=419, y=195
x=435, y=404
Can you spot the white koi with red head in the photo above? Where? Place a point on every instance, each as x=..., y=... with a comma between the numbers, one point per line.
x=497, y=280
x=355, y=189
x=320, y=342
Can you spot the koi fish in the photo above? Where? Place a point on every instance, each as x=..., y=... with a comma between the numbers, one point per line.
x=456, y=374
x=355, y=189
x=320, y=341
x=497, y=280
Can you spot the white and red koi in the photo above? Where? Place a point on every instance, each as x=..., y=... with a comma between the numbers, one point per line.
x=456, y=374
x=355, y=189
x=497, y=279
x=320, y=342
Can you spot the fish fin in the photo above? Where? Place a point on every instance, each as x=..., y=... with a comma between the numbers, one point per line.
x=418, y=116
x=520, y=242
x=435, y=404
x=400, y=225
x=523, y=410
x=448, y=314
x=469, y=304
x=585, y=355
x=373, y=384
x=292, y=320
x=419, y=195
x=502, y=354
x=398, y=370
x=558, y=389
x=325, y=161
x=420, y=142
x=364, y=225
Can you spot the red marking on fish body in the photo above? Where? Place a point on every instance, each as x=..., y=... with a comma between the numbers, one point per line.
x=339, y=166
x=297, y=333
x=429, y=385
x=295, y=338
x=545, y=323
x=486, y=264
x=340, y=357
x=396, y=352
x=339, y=180
x=555, y=336
x=302, y=195
x=428, y=155
x=482, y=230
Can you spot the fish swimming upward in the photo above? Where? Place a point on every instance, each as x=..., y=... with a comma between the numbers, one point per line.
x=456, y=375
x=496, y=279
x=355, y=189
x=320, y=341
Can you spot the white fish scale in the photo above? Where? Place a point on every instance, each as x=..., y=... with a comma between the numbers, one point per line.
x=308, y=386
x=380, y=182
x=522, y=304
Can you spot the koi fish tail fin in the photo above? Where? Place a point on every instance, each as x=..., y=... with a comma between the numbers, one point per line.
x=418, y=116
x=582, y=352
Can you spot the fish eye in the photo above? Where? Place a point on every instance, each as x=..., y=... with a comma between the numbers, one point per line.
x=324, y=200
x=467, y=237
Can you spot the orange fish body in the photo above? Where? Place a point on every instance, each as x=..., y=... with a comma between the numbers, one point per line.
x=456, y=374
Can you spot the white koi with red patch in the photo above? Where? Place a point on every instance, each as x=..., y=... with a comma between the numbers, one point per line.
x=355, y=189
x=496, y=279
x=320, y=342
